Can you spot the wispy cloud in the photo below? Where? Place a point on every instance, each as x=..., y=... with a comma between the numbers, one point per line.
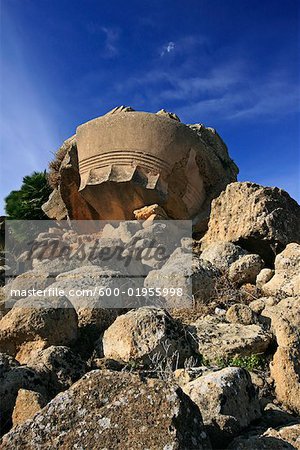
x=28, y=133
x=225, y=89
x=219, y=79
x=111, y=41
x=28, y=129
x=168, y=48
x=245, y=100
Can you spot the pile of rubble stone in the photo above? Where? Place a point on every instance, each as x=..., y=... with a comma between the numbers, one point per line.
x=220, y=369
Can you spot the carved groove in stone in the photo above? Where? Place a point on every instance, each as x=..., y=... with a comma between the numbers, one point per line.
x=129, y=158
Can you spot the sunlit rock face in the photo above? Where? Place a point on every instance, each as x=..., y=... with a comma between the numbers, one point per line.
x=126, y=160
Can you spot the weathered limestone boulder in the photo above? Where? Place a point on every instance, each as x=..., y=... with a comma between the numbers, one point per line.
x=217, y=340
x=285, y=367
x=33, y=279
x=285, y=320
x=261, y=303
x=210, y=137
x=260, y=219
x=222, y=254
x=12, y=378
x=96, y=320
x=55, y=207
x=227, y=400
x=93, y=287
x=107, y=252
x=36, y=324
x=146, y=334
x=286, y=281
x=263, y=277
x=154, y=244
x=242, y=314
x=28, y=403
x=124, y=231
x=130, y=159
x=285, y=438
x=195, y=276
x=57, y=266
x=245, y=269
x=152, y=212
x=58, y=366
x=114, y=410
x=286, y=374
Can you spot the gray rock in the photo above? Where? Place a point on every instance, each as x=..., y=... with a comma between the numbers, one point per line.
x=12, y=378
x=58, y=366
x=242, y=314
x=145, y=335
x=217, y=340
x=114, y=410
x=227, y=400
x=222, y=254
x=260, y=219
x=194, y=276
x=124, y=231
x=98, y=287
x=34, y=279
x=286, y=281
x=245, y=269
x=263, y=277
x=57, y=266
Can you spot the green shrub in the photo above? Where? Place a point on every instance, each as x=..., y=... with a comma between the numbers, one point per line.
x=26, y=203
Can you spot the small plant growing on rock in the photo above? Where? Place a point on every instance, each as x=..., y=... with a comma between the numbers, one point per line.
x=250, y=362
x=54, y=167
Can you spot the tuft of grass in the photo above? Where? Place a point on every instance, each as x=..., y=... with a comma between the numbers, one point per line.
x=54, y=167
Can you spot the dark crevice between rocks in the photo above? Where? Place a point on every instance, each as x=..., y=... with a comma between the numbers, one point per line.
x=266, y=249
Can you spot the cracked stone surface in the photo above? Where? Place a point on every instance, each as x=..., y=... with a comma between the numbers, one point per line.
x=115, y=411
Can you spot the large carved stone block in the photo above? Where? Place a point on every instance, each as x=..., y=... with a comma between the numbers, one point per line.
x=126, y=160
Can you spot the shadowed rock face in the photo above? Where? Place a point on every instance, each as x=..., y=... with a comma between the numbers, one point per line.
x=262, y=220
x=127, y=159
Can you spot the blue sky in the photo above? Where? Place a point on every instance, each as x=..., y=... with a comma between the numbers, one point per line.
x=232, y=65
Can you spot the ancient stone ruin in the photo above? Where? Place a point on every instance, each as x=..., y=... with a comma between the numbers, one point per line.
x=125, y=160
x=217, y=368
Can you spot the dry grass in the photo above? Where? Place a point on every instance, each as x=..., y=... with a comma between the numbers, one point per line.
x=225, y=295
x=54, y=167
